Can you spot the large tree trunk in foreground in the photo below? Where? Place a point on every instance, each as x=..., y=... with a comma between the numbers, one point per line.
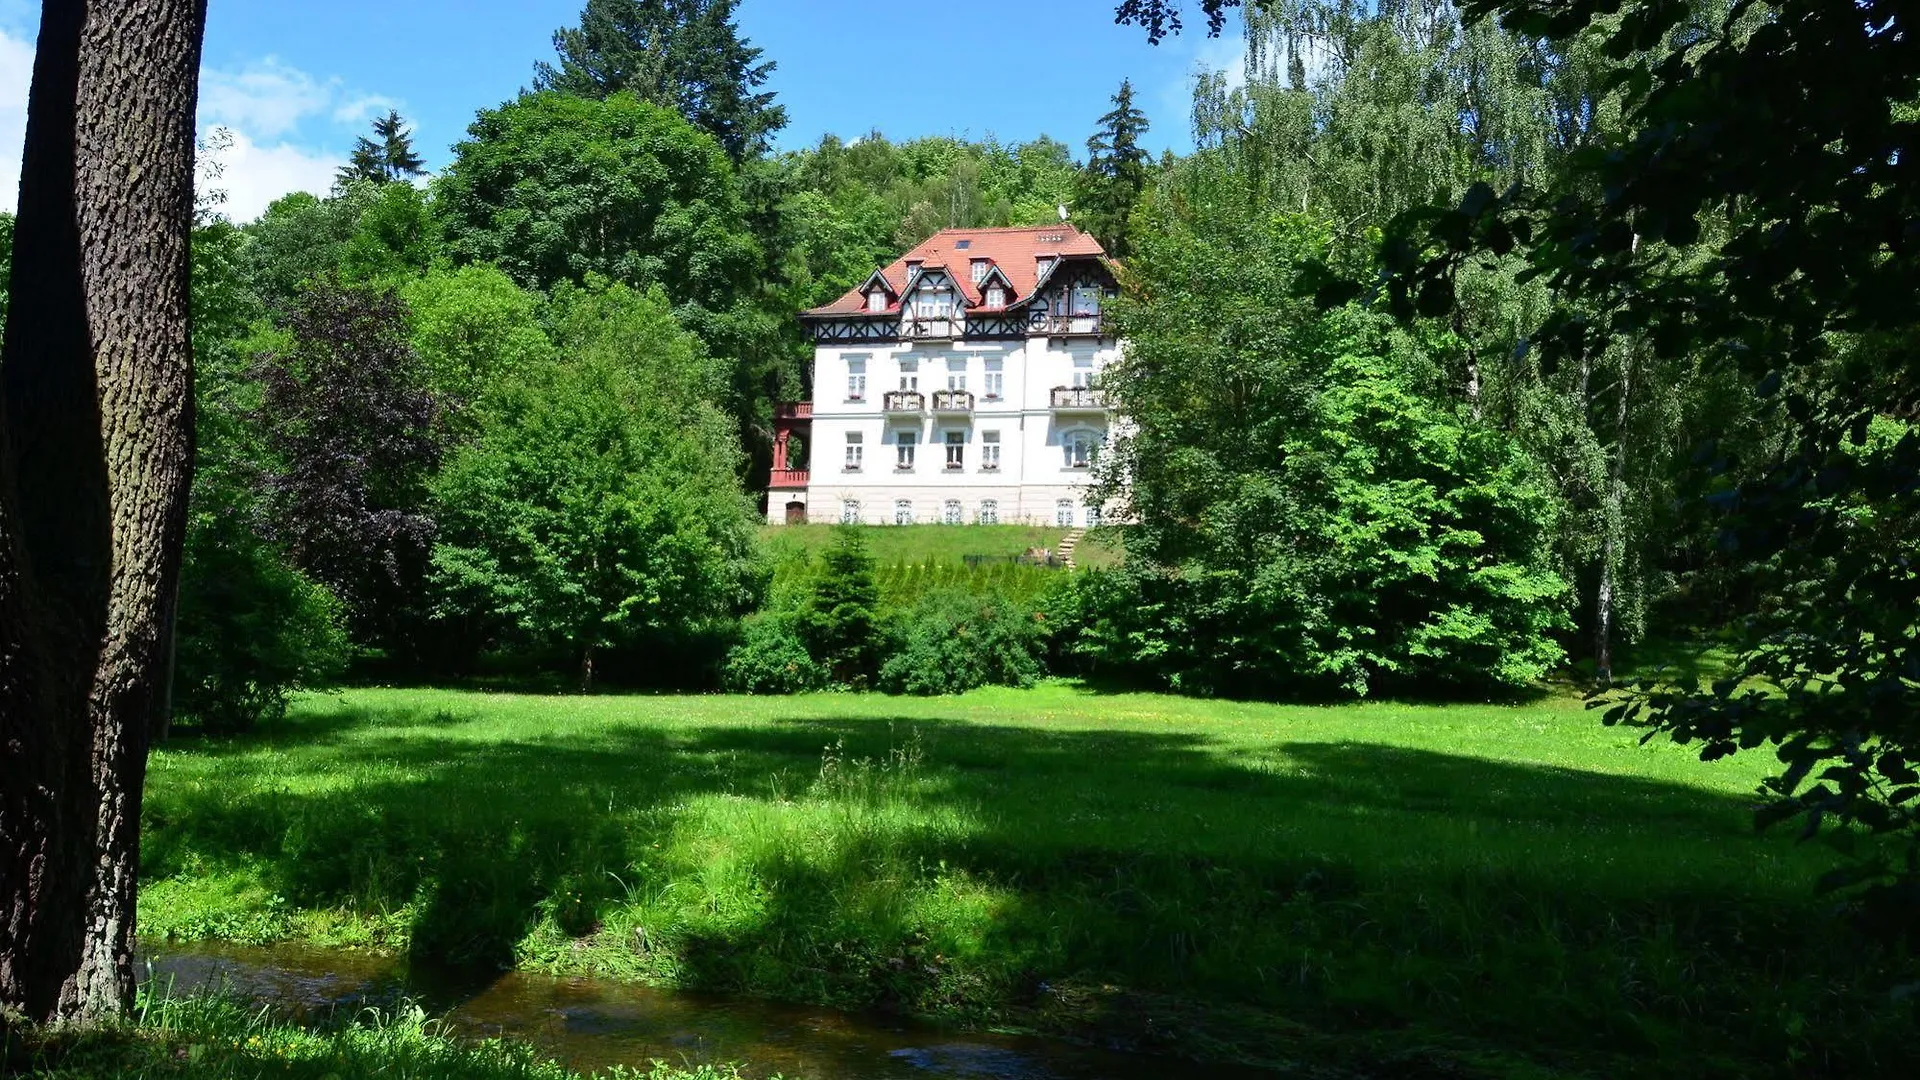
x=96, y=452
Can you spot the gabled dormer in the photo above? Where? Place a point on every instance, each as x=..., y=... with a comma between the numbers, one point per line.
x=996, y=288
x=879, y=294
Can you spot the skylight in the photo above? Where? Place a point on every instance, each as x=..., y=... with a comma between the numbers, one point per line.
x=962, y=245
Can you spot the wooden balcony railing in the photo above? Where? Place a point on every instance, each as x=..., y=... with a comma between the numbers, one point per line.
x=903, y=401
x=786, y=479
x=930, y=329
x=793, y=410
x=952, y=401
x=1068, y=325
x=1078, y=399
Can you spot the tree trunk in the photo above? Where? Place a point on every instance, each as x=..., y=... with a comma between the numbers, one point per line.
x=96, y=453
x=1614, y=526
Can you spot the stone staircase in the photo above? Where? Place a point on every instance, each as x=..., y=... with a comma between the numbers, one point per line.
x=1066, y=547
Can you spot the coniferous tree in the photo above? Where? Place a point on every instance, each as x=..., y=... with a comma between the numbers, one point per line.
x=685, y=55
x=1116, y=171
x=385, y=158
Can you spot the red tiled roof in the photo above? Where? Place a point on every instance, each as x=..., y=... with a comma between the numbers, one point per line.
x=1014, y=251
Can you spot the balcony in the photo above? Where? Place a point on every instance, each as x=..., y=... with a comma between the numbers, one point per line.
x=952, y=401
x=789, y=479
x=1068, y=326
x=903, y=401
x=1079, y=399
x=793, y=410
x=931, y=329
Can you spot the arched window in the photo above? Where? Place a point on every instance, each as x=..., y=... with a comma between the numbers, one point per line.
x=903, y=512
x=1063, y=513
x=952, y=514
x=1079, y=448
x=989, y=512
x=1093, y=516
x=850, y=512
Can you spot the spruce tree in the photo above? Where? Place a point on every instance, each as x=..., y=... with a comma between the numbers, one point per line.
x=685, y=55
x=1116, y=172
x=385, y=158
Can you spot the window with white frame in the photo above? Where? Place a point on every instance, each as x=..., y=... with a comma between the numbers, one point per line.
x=1063, y=513
x=1079, y=448
x=905, y=444
x=856, y=451
x=990, y=451
x=933, y=302
x=957, y=373
x=903, y=511
x=989, y=512
x=956, y=450
x=909, y=374
x=980, y=267
x=850, y=512
x=996, y=296
x=857, y=379
x=1093, y=515
x=996, y=380
x=952, y=514
x=1083, y=372
x=877, y=300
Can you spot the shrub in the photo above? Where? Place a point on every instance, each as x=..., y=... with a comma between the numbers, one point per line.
x=838, y=622
x=953, y=640
x=771, y=659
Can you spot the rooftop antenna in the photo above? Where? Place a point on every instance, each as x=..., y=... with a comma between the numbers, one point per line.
x=1063, y=211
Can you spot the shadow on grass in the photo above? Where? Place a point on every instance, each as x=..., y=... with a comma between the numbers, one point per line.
x=968, y=869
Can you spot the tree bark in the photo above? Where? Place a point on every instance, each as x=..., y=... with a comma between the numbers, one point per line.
x=96, y=454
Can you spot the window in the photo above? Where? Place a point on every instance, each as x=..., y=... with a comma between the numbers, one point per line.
x=905, y=444
x=990, y=451
x=1082, y=372
x=933, y=302
x=850, y=512
x=996, y=381
x=856, y=450
x=996, y=297
x=980, y=270
x=989, y=512
x=856, y=380
x=909, y=374
x=1043, y=264
x=1093, y=516
x=1063, y=513
x=962, y=245
x=903, y=512
x=1079, y=448
x=957, y=374
x=877, y=300
x=952, y=514
x=1086, y=300
x=956, y=449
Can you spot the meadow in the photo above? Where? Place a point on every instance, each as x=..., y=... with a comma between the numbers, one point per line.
x=1456, y=889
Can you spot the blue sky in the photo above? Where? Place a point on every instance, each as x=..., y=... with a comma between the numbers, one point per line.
x=297, y=81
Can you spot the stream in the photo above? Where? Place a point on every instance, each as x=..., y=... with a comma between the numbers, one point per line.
x=595, y=1023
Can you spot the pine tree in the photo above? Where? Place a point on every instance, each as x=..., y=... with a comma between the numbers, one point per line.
x=1116, y=172
x=385, y=158
x=685, y=55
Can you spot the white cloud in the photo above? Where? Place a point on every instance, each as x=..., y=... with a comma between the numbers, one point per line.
x=267, y=99
x=254, y=175
x=16, y=75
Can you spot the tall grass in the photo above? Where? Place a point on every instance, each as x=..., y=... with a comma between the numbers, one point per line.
x=1515, y=883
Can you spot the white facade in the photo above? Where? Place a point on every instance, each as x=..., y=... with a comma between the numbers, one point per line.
x=1002, y=448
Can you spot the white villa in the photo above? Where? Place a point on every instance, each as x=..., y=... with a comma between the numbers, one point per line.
x=957, y=385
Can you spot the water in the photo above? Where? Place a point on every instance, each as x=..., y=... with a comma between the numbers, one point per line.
x=594, y=1024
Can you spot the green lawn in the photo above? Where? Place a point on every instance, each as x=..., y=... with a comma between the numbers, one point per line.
x=920, y=544
x=1514, y=886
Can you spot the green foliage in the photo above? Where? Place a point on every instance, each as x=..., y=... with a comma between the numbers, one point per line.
x=771, y=659
x=840, y=620
x=955, y=640
x=386, y=158
x=597, y=500
x=1115, y=175
x=472, y=326
x=1312, y=520
x=687, y=56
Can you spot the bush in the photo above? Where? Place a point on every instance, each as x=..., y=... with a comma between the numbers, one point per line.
x=953, y=640
x=771, y=659
x=838, y=621
x=251, y=629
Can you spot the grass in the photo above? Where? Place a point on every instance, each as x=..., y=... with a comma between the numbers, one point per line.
x=919, y=544
x=1515, y=888
x=212, y=1038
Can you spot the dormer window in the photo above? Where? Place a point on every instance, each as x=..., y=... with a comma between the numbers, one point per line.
x=996, y=297
x=913, y=267
x=980, y=268
x=877, y=300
